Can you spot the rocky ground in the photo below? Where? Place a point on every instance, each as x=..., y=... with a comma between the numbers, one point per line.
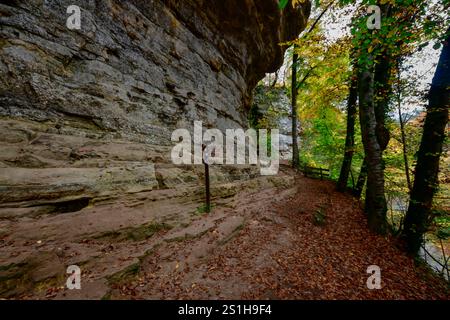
x=281, y=238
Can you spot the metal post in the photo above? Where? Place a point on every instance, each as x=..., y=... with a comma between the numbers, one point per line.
x=207, y=190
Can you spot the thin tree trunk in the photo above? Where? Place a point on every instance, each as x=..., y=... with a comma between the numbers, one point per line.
x=295, y=152
x=362, y=177
x=402, y=128
x=353, y=178
x=427, y=168
x=375, y=206
x=405, y=150
x=350, y=136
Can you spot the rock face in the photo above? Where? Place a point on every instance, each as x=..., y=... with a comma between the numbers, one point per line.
x=89, y=113
x=272, y=107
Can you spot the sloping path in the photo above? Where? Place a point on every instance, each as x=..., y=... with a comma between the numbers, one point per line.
x=256, y=244
x=280, y=253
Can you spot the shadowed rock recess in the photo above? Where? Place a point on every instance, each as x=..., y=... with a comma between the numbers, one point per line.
x=87, y=115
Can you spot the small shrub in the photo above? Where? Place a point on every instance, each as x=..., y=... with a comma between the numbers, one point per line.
x=202, y=210
x=319, y=218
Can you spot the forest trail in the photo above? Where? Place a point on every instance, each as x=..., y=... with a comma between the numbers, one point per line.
x=260, y=244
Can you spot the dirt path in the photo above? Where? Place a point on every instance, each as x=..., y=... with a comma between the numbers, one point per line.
x=279, y=253
x=254, y=245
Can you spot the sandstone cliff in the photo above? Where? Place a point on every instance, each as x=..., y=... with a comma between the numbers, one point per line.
x=87, y=114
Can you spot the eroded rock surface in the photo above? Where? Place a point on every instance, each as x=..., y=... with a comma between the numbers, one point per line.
x=86, y=118
x=272, y=106
x=88, y=114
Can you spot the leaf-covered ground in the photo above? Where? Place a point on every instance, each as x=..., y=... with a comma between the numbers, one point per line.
x=274, y=238
x=307, y=242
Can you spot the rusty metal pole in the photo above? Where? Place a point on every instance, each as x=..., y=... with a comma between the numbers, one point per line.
x=207, y=190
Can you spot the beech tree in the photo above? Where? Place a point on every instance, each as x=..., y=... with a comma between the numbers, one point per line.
x=294, y=116
x=352, y=111
x=427, y=168
x=378, y=50
x=373, y=91
x=350, y=135
x=362, y=177
x=294, y=82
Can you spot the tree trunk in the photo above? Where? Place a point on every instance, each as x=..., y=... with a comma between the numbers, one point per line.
x=374, y=94
x=427, y=168
x=362, y=177
x=295, y=153
x=383, y=86
x=350, y=136
x=383, y=91
x=405, y=150
x=375, y=206
x=402, y=126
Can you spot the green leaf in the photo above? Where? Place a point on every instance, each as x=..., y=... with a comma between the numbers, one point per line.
x=282, y=4
x=437, y=46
